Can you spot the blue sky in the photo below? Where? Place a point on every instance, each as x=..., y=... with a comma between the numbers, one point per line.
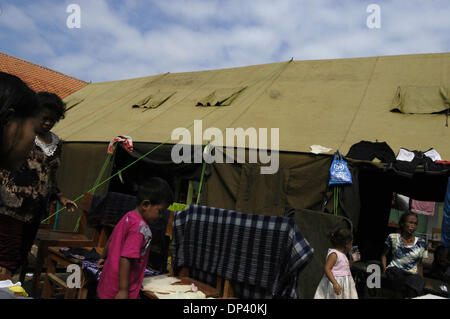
x=133, y=38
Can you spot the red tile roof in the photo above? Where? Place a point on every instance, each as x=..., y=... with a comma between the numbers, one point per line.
x=40, y=78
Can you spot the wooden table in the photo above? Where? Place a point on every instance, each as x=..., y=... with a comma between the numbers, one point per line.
x=209, y=291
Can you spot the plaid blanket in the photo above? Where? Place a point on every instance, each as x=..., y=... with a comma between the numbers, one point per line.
x=262, y=255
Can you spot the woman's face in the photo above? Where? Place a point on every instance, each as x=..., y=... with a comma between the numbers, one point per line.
x=49, y=118
x=410, y=225
x=18, y=140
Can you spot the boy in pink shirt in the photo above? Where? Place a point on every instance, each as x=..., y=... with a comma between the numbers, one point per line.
x=128, y=247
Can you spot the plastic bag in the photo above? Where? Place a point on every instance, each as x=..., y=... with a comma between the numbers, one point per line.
x=339, y=171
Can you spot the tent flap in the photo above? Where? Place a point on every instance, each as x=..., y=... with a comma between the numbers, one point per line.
x=421, y=100
x=153, y=101
x=221, y=97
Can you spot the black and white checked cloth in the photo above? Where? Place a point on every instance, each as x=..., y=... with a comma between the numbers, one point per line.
x=262, y=255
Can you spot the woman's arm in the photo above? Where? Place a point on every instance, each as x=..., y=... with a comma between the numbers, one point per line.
x=329, y=264
x=124, y=278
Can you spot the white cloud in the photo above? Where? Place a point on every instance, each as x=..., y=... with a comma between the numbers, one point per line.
x=135, y=38
x=16, y=20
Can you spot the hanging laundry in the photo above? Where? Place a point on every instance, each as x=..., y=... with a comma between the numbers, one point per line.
x=318, y=149
x=423, y=207
x=433, y=154
x=126, y=141
x=407, y=161
x=405, y=155
x=408, y=156
x=368, y=151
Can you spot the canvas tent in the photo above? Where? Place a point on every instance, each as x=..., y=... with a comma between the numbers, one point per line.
x=333, y=103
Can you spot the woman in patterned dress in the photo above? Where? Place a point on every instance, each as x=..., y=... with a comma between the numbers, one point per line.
x=19, y=122
x=27, y=193
x=405, y=271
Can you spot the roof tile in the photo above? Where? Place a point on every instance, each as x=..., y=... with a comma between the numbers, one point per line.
x=40, y=78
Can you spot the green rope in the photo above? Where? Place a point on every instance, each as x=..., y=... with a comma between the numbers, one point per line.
x=334, y=201
x=201, y=182
x=105, y=165
x=336, y=196
x=155, y=148
x=100, y=175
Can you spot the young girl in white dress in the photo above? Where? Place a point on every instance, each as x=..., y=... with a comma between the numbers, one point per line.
x=337, y=282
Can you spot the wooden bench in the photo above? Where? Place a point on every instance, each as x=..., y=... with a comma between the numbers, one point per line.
x=52, y=281
x=46, y=237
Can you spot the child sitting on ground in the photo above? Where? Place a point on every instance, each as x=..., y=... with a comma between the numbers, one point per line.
x=337, y=282
x=127, y=250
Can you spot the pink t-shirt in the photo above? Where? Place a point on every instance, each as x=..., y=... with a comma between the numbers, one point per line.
x=342, y=266
x=131, y=239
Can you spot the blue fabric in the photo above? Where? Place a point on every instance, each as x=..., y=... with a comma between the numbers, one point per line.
x=445, y=231
x=339, y=171
x=94, y=270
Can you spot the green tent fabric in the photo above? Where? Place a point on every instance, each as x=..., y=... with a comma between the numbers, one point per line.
x=80, y=165
x=315, y=227
x=153, y=101
x=221, y=97
x=421, y=100
x=299, y=183
x=332, y=103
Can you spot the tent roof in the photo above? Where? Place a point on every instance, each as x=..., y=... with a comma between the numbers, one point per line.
x=333, y=103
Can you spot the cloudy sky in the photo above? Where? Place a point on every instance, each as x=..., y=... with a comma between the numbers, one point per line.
x=125, y=39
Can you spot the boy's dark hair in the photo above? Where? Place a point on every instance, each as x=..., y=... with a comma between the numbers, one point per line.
x=341, y=237
x=52, y=102
x=156, y=190
x=405, y=215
